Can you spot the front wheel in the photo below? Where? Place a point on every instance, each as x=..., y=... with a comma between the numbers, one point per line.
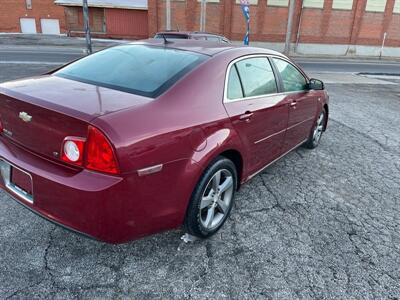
x=212, y=199
x=316, y=133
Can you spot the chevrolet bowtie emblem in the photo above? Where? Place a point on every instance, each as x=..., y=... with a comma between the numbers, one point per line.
x=25, y=117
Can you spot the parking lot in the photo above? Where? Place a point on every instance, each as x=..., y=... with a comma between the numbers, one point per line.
x=316, y=224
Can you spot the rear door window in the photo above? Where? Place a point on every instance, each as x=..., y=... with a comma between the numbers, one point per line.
x=137, y=69
x=199, y=37
x=213, y=38
x=256, y=76
x=292, y=79
x=234, y=86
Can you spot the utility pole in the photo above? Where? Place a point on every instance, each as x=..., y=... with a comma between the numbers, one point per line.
x=289, y=26
x=87, y=27
x=203, y=10
x=168, y=15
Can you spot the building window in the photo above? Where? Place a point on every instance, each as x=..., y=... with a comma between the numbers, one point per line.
x=28, y=4
x=342, y=4
x=251, y=2
x=314, y=3
x=376, y=5
x=396, y=8
x=277, y=2
x=210, y=1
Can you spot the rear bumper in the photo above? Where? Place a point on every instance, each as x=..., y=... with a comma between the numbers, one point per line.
x=108, y=208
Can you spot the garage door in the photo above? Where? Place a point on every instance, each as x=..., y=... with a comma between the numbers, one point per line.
x=28, y=25
x=50, y=26
x=127, y=22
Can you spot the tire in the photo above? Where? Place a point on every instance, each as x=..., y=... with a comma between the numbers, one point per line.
x=316, y=132
x=207, y=210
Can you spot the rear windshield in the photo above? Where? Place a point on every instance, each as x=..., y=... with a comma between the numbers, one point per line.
x=143, y=70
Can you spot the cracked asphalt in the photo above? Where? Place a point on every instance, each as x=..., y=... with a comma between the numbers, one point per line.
x=321, y=224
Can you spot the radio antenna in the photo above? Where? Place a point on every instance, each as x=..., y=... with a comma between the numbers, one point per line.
x=165, y=40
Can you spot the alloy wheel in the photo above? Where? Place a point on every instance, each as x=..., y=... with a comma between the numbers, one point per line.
x=319, y=128
x=216, y=200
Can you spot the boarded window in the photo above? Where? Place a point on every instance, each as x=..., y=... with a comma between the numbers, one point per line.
x=314, y=3
x=278, y=2
x=376, y=5
x=74, y=18
x=342, y=4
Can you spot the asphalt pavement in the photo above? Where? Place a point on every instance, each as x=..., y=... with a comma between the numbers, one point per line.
x=345, y=65
x=318, y=224
x=44, y=55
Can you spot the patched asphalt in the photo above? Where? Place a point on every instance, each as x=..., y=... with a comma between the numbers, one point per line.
x=318, y=224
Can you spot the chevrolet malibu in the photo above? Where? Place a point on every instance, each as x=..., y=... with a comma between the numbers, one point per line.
x=152, y=135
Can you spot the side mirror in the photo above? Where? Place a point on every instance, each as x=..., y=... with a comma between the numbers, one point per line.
x=316, y=84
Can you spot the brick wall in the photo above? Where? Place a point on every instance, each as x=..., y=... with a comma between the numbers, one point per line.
x=268, y=23
x=12, y=10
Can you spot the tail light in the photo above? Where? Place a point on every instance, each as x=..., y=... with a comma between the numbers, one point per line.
x=94, y=153
x=99, y=153
x=1, y=127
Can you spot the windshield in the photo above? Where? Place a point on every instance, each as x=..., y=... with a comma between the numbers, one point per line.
x=138, y=69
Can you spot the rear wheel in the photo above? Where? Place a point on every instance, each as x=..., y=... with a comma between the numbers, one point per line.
x=316, y=133
x=212, y=199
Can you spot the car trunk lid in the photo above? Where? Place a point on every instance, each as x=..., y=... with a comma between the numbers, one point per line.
x=38, y=113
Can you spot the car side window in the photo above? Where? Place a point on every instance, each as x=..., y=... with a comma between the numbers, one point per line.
x=292, y=79
x=257, y=76
x=213, y=38
x=234, y=85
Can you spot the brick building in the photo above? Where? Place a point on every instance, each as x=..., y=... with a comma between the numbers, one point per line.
x=352, y=26
x=31, y=16
x=320, y=26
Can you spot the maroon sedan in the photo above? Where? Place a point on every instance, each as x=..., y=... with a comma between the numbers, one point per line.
x=148, y=136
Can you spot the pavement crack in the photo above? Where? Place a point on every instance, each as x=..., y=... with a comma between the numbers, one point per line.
x=46, y=257
x=276, y=198
x=46, y=267
x=14, y=294
x=365, y=135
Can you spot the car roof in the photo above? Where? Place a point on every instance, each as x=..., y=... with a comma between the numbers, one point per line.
x=209, y=48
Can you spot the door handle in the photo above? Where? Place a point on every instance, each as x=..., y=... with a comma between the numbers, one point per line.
x=293, y=103
x=246, y=116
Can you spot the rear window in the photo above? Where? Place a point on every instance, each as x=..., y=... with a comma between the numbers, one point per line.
x=143, y=70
